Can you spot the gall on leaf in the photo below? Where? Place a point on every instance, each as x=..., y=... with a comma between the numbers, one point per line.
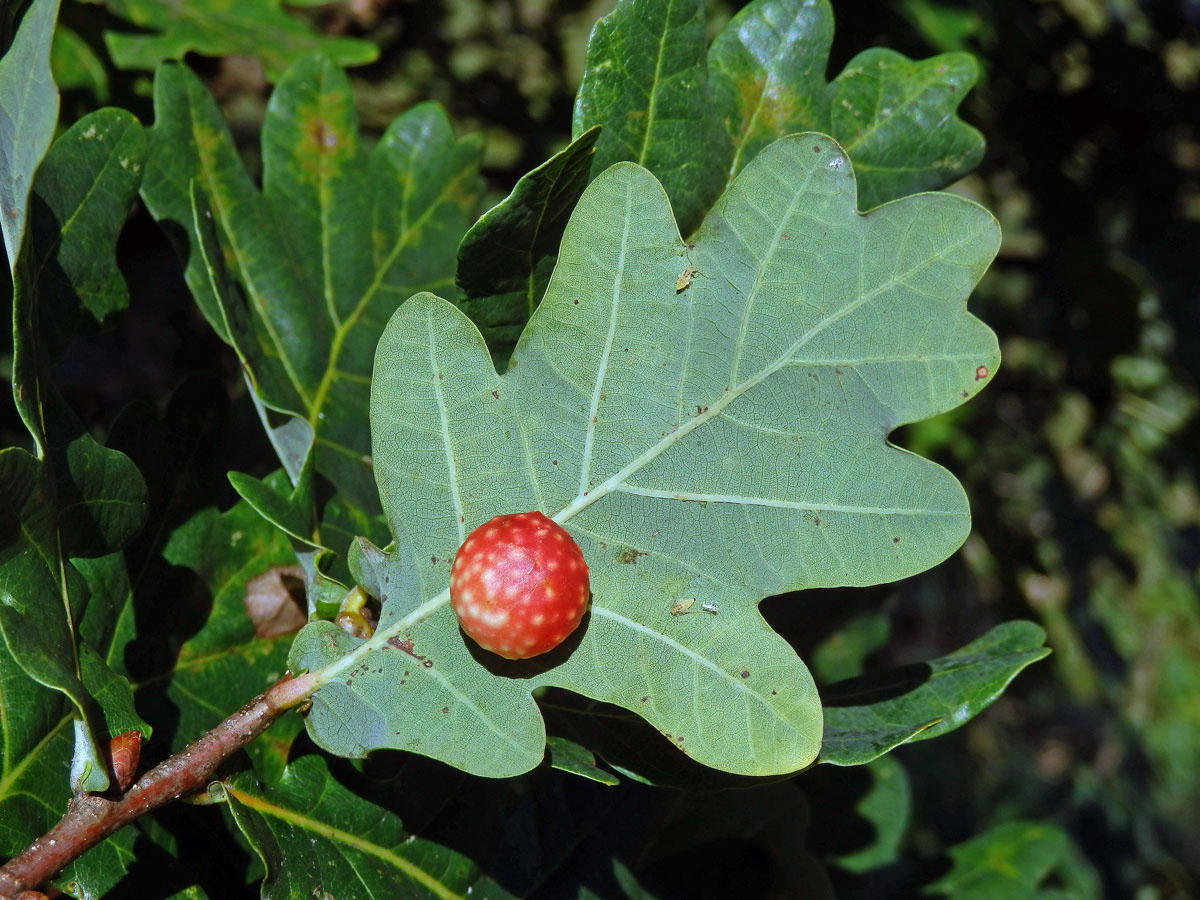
x=519, y=585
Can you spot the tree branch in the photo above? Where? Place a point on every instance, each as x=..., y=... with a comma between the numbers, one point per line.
x=90, y=817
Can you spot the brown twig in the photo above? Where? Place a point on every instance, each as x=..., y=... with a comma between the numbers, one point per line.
x=90, y=818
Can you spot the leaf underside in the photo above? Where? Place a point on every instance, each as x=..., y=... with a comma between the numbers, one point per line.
x=721, y=441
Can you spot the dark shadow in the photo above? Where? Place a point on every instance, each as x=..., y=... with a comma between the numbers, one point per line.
x=875, y=688
x=534, y=666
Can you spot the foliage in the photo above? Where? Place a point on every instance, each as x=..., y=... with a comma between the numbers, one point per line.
x=255, y=28
x=686, y=336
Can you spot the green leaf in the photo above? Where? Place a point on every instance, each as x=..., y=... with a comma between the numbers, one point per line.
x=106, y=631
x=289, y=513
x=73, y=498
x=646, y=82
x=1006, y=862
x=315, y=836
x=83, y=193
x=36, y=747
x=37, y=593
x=28, y=114
x=842, y=654
x=697, y=121
x=894, y=117
x=101, y=498
x=768, y=71
x=568, y=756
x=76, y=66
x=887, y=808
x=323, y=254
x=721, y=443
x=254, y=28
x=867, y=716
x=505, y=258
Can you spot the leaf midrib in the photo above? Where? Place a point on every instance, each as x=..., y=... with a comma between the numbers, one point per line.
x=584, y=500
x=340, y=836
x=381, y=270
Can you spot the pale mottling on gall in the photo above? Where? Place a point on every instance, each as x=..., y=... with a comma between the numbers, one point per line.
x=521, y=585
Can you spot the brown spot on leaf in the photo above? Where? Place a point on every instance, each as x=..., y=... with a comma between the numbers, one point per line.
x=981, y=372
x=496, y=394
x=895, y=540
x=445, y=709
x=428, y=664
x=628, y=555
x=644, y=699
x=405, y=645
x=745, y=674
x=275, y=601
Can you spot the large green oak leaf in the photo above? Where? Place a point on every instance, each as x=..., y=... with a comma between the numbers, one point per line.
x=695, y=115
x=716, y=441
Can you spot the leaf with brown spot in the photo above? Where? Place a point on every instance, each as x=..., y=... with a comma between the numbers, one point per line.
x=300, y=276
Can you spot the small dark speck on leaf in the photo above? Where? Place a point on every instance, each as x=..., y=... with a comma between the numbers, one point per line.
x=554, y=462
x=349, y=681
x=745, y=673
x=644, y=699
x=496, y=394
x=774, y=693
x=428, y=664
x=785, y=237
x=433, y=559
x=895, y=540
x=981, y=372
x=816, y=148
x=576, y=302
x=439, y=374
x=445, y=709
x=816, y=520
x=966, y=394
x=701, y=410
